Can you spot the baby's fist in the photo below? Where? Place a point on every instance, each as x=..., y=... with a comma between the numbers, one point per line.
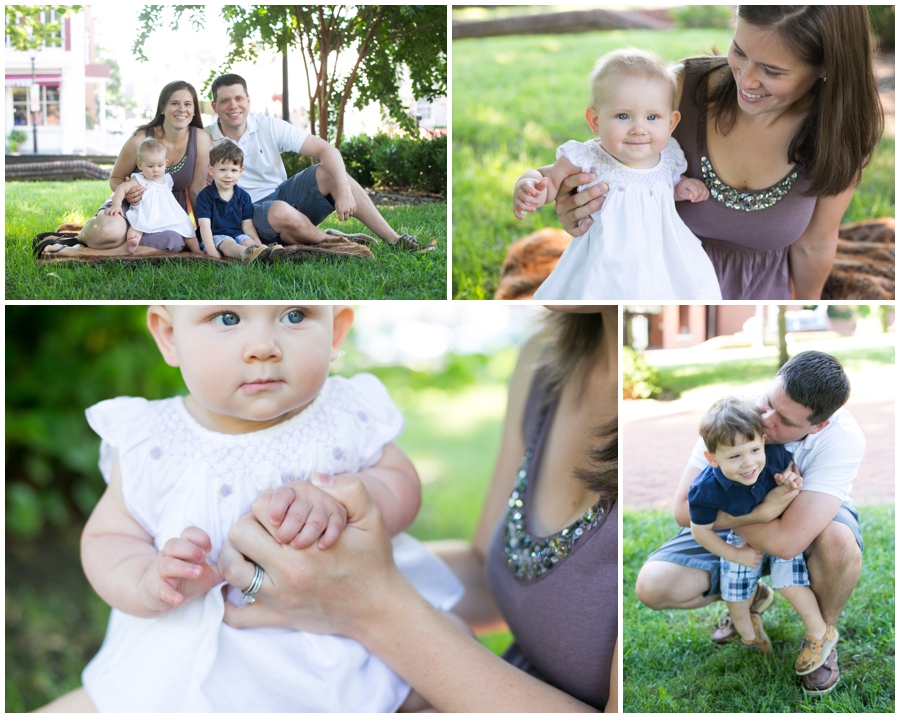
x=304, y=514
x=529, y=196
x=179, y=572
x=692, y=190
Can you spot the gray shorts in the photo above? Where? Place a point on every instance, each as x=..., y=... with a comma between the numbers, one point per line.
x=685, y=551
x=301, y=192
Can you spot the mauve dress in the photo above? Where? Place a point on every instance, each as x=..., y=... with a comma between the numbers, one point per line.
x=181, y=174
x=749, y=249
x=565, y=621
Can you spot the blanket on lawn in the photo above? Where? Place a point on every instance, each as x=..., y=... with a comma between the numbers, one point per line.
x=331, y=247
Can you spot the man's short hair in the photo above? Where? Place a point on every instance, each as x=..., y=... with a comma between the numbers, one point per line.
x=226, y=151
x=817, y=381
x=227, y=81
x=728, y=420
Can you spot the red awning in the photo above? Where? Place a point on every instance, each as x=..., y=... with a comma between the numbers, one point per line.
x=24, y=80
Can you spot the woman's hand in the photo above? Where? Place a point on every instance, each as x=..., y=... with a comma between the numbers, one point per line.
x=573, y=206
x=133, y=196
x=333, y=591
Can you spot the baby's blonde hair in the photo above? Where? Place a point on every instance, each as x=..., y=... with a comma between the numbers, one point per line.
x=150, y=146
x=632, y=62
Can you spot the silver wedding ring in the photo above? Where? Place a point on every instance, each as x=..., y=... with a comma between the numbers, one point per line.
x=255, y=584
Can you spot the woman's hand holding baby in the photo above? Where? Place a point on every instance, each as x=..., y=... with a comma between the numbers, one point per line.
x=692, y=190
x=303, y=514
x=178, y=572
x=575, y=208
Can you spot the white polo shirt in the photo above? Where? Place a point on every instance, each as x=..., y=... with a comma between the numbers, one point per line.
x=828, y=460
x=262, y=144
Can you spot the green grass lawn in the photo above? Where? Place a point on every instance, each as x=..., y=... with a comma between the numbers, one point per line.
x=671, y=666
x=35, y=207
x=516, y=99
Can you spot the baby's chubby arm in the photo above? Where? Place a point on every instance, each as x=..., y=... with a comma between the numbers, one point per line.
x=535, y=188
x=124, y=567
x=745, y=555
x=115, y=209
x=304, y=513
x=691, y=189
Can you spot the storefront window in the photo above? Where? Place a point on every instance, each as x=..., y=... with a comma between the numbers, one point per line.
x=20, y=106
x=48, y=114
x=50, y=103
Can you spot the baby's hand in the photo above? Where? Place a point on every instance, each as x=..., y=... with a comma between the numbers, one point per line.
x=304, y=514
x=749, y=556
x=691, y=189
x=114, y=211
x=789, y=479
x=178, y=572
x=529, y=195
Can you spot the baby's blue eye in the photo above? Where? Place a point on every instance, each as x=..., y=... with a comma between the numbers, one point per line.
x=622, y=116
x=227, y=319
x=652, y=117
x=295, y=316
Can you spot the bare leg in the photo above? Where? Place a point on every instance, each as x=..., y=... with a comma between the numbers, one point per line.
x=229, y=248
x=663, y=584
x=77, y=701
x=103, y=231
x=740, y=617
x=804, y=602
x=366, y=212
x=835, y=563
x=292, y=226
x=133, y=239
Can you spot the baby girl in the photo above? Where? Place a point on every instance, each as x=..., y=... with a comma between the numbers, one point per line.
x=638, y=247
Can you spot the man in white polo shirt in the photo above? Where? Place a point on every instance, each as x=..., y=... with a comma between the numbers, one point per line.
x=801, y=409
x=290, y=210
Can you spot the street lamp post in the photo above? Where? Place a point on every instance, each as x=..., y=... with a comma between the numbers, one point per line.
x=34, y=96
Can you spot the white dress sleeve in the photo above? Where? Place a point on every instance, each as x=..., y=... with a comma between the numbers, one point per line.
x=586, y=158
x=371, y=414
x=170, y=183
x=678, y=162
x=127, y=426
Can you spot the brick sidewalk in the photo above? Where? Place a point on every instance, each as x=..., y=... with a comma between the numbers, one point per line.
x=657, y=437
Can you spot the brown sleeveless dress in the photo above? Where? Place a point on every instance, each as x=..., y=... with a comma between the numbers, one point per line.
x=748, y=241
x=564, y=620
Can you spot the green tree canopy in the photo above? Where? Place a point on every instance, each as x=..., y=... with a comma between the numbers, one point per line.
x=384, y=42
x=26, y=26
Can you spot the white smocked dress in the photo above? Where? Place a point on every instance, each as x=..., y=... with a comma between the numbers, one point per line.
x=158, y=210
x=175, y=473
x=638, y=247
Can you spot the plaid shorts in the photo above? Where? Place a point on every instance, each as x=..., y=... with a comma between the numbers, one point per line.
x=738, y=582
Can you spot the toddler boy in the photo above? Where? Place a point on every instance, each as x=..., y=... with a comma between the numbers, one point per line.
x=742, y=471
x=224, y=211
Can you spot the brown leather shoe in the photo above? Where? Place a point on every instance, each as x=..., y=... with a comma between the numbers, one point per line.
x=822, y=680
x=762, y=601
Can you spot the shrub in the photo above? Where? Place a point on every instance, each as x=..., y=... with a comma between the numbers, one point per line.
x=16, y=138
x=702, y=16
x=639, y=379
x=883, y=19
x=385, y=161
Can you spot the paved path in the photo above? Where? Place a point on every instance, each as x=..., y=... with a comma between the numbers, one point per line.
x=657, y=437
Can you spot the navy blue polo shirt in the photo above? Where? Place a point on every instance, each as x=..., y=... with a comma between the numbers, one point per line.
x=711, y=491
x=224, y=217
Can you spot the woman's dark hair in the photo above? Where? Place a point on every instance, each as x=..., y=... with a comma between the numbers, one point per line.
x=167, y=92
x=845, y=121
x=575, y=343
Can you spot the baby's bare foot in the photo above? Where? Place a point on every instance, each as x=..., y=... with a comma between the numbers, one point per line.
x=133, y=239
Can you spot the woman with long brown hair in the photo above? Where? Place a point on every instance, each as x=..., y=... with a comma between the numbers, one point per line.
x=178, y=125
x=544, y=558
x=779, y=130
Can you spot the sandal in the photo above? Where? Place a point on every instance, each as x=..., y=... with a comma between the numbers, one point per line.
x=359, y=237
x=413, y=245
x=42, y=241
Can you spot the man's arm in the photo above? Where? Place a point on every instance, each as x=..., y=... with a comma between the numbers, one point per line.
x=798, y=527
x=344, y=204
x=774, y=505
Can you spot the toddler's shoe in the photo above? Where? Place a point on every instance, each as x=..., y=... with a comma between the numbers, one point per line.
x=761, y=643
x=762, y=601
x=814, y=651
x=277, y=253
x=255, y=253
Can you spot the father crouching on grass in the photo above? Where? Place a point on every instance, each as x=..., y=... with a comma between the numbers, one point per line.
x=803, y=410
x=289, y=210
